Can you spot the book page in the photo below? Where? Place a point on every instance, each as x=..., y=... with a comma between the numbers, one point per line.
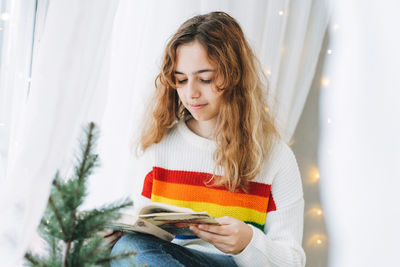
x=155, y=207
x=178, y=224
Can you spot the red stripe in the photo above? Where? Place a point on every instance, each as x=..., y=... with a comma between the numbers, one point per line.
x=199, y=179
x=271, y=203
x=148, y=185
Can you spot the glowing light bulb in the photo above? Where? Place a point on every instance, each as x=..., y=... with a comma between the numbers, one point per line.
x=5, y=16
x=313, y=175
x=329, y=121
x=317, y=240
x=268, y=72
x=47, y=222
x=315, y=212
x=281, y=13
x=325, y=81
x=329, y=51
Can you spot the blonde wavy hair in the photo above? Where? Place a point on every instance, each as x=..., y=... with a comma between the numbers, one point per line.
x=245, y=130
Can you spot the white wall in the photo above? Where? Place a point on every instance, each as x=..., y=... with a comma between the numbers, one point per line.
x=350, y=130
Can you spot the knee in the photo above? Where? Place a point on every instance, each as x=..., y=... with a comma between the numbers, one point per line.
x=125, y=244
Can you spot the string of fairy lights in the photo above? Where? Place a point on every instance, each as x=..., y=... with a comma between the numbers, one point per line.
x=314, y=213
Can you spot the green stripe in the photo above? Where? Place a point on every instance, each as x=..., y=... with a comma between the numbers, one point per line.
x=259, y=226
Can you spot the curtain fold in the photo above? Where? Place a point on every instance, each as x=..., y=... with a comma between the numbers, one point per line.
x=64, y=83
x=97, y=61
x=16, y=40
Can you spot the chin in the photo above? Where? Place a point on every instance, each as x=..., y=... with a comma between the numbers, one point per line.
x=201, y=119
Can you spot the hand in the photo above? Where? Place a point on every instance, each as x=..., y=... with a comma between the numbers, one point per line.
x=111, y=236
x=231, y=236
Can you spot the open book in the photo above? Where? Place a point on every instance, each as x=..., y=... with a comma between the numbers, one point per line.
x=162, y=220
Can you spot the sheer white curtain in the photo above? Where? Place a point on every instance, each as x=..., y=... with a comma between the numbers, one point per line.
x=67, y=89
x=77, y=76
x=16, y=39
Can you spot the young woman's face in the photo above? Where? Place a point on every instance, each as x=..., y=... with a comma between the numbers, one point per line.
x=195, y=78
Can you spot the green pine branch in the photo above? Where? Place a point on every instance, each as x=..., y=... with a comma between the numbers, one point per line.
x=72, y=235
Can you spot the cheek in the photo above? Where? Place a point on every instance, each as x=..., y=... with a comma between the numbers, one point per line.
x=180, y=94
x=216, y=97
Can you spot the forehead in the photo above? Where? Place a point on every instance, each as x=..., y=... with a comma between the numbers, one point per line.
x=191, y=58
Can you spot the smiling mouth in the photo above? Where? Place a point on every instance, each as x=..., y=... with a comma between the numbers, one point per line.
x=197, y=106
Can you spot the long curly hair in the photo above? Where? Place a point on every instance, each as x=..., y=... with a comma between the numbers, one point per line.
x=245, y=130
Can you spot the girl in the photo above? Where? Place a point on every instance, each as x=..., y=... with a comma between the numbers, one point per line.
x=211, y=146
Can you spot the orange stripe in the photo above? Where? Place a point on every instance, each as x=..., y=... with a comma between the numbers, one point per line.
x=210, y=195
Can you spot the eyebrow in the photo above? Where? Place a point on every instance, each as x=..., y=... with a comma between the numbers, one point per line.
x=196, y=72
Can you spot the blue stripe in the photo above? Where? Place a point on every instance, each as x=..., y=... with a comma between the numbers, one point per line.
x=186, y=237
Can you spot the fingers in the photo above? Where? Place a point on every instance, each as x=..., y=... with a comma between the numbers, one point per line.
x=116, y=238
x=110, y=236
x=231, y=236
x=228, y=226
x=209, y=234
x=225, y=220
x=106, y=232
x=224, y=243
x=113, y=238
x=215, y=229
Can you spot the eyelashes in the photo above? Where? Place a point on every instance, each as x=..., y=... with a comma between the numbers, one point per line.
x=201, y=80
x=206, y=81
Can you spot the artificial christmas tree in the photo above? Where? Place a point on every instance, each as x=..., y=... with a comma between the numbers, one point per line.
x=72, y=236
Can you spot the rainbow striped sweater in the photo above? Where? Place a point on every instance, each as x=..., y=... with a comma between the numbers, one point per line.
x=176, y=172
x=188, y=189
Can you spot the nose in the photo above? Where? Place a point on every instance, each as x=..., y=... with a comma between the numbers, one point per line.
x=193, y=89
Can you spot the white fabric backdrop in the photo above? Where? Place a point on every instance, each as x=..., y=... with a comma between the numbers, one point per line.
x=67, y=77
x=77, y=77
x=359, y=154
x=16, y=52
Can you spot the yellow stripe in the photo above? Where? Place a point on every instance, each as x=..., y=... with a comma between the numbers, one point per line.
x=215, y=210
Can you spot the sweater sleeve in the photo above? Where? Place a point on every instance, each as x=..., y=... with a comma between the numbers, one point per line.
x=280, y=243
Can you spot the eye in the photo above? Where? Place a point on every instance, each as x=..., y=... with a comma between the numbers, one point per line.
x=206, y=81
x=182, y=81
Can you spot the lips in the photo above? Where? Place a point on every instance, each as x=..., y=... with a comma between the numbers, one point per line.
x=197, y=106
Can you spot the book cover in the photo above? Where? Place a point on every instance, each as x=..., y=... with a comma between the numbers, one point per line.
x=162, y=220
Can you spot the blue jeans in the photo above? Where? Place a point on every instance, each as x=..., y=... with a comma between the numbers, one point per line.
x=156, y=252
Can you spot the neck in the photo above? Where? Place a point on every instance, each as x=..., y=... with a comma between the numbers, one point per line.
x=204, y=129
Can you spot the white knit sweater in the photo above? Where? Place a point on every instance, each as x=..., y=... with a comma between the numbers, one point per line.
x=280, y=242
